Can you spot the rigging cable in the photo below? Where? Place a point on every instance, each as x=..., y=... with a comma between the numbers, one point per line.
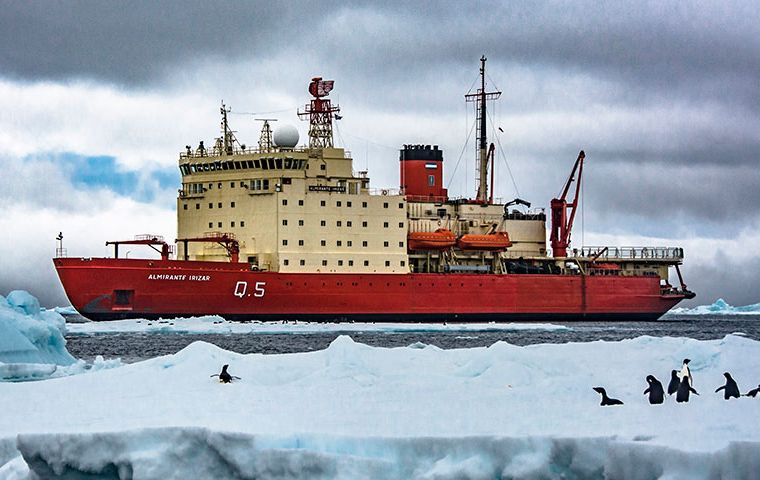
x=464, y=147
x=504, y=159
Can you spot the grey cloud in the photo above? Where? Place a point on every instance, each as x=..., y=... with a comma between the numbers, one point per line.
x=735, y=282
x=133, y=43
x=711, y=201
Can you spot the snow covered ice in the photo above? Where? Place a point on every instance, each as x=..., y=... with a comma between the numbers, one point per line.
x=354, y=411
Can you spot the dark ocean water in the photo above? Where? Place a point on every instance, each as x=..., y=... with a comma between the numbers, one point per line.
x=132, y=347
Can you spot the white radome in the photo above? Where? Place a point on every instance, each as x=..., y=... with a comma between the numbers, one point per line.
x=285, y=136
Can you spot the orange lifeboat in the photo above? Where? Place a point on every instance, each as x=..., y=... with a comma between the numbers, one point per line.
x=441, y=239
x=493, y=242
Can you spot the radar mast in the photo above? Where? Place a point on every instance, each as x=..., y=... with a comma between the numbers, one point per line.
x=320, y=114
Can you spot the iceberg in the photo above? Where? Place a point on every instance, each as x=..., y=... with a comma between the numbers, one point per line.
x=720, y=307
x=32, y=339
x=356, y=411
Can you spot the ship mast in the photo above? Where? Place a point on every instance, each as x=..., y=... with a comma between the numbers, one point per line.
x=480, y=97
x=228, y=139
x=265, y=140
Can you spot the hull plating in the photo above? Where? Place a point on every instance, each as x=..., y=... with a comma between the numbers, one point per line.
x=107, y=289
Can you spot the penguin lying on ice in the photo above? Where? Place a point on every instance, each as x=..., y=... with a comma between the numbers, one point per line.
x=753, y=393
x=224, y=376
x=606, y=401
x=655, y=391
x=730, y=389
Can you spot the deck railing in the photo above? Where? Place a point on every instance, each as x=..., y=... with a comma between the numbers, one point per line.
x=636, y=253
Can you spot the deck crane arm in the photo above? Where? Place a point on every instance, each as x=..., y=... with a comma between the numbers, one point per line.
x=226, y=240
x=562, y=223
x=150, y=240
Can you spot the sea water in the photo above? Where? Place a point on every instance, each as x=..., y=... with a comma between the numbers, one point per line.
x=136, y=346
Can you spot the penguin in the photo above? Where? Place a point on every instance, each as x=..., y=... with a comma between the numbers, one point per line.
x=682, y=395
x=753, y=393
x=674, y=381
x=655, y=391
x=686, y=373
x=224, y=376
x=606, y=401
x=730, y=389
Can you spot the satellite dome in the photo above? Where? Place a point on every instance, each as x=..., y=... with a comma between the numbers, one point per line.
x=286, y=136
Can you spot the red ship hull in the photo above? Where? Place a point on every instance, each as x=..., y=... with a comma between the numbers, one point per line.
x=110, y=289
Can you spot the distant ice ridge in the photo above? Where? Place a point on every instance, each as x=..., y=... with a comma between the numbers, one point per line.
x=216, y=324
x=720, y=307
x=31, y=339
x=353, y=411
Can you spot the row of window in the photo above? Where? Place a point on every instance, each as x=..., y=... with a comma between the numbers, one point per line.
x=210, y=205
x=339, y=203
x=262, y=163
x=339, y=263
x=339, y=223
x=219, y=224
x=338, y=243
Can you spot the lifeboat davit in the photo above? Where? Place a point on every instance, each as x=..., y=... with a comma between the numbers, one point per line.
x=441, y=239
x=493, y=242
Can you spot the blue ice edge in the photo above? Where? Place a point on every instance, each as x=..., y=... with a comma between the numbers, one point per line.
x=193, y=452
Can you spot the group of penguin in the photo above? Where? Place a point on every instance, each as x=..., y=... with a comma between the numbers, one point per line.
x=680, y=384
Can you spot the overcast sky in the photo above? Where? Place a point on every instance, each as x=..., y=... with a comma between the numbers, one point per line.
x=98, y=98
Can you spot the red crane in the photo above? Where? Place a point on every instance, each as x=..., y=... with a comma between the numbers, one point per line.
x=226, y=240
x=150, y=240
x=562, y=223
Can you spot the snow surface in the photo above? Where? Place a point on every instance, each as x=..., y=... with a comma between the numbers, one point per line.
x=720, y=307
x=30, y=335
x=216, y=324
x=354, y=411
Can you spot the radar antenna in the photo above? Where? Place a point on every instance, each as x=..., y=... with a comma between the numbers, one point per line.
x=320, y=114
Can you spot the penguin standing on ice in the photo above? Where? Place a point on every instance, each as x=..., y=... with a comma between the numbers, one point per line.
x=224, y=376
x=686, y=373
x=674, y=381
x=753, y=393
x=730, y=389
x=684, y=389
x=655, y=391
x=606, y=401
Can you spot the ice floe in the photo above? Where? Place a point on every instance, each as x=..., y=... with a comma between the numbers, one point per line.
x=355, y=411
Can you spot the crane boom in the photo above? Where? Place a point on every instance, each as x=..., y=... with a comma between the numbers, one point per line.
x=562, y=223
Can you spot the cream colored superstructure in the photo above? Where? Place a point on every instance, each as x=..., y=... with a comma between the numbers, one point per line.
x=291, y=210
